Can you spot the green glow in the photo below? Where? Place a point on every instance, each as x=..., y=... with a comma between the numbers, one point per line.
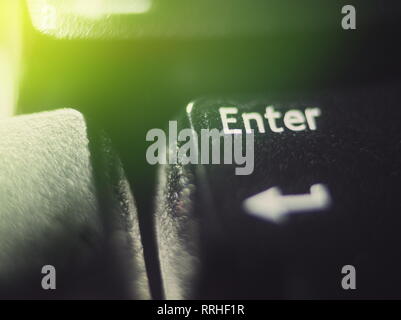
x=10, y=52
x=129, y=19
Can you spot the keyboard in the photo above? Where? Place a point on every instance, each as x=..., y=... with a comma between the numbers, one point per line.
x=200, y=150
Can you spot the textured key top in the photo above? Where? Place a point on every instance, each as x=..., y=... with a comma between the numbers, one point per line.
x=65, y=202
x=321, y=193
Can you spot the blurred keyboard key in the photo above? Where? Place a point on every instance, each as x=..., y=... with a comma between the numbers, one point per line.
x=66, y=203
x=322, y=193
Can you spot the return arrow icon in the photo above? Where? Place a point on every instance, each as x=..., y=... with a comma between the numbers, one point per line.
x=273, y=206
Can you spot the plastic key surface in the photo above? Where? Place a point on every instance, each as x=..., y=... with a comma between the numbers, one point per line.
x=321, y=193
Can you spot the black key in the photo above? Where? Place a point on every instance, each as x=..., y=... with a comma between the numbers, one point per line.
x=65, y=203
x=323, y=194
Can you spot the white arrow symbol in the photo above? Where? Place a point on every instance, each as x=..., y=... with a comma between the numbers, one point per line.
x=273, y=206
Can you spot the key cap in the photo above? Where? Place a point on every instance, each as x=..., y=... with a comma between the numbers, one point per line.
x=65, y=203
x=321, y=193
x=139, y=18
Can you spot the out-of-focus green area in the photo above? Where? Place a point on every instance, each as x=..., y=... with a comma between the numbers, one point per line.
x=125, y=19
x=10, y=52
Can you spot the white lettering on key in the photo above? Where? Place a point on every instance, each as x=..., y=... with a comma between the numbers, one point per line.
x=274, y=207
x=277, y=122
